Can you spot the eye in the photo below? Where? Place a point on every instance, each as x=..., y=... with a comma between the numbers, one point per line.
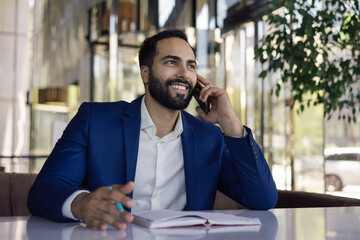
x=171, y=62
x=192, y=66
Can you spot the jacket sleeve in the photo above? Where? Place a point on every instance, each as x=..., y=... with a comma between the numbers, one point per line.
x=245, y=175
x=63, y=171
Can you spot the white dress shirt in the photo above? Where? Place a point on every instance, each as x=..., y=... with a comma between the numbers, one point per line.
x=159, y=176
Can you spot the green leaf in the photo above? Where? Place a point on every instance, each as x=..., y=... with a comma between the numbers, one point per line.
x=262, y=75
x=303, y=35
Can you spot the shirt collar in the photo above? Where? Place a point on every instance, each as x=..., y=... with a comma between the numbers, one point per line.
x=149, y=127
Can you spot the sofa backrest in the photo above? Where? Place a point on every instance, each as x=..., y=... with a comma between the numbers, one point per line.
x=14, y=188
x=296, y=199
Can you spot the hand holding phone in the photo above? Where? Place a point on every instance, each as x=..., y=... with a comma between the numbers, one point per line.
x=205, y=106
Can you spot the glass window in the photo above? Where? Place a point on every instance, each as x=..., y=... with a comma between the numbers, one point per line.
x=275, y=137
x=127, y=15
x=101, y=74
x=175, y=13
x=222, y=9
x=148, y=12
x=236, y=93
x=205, y=15
x=341, y=133
x=130, y=84
x=291, y=143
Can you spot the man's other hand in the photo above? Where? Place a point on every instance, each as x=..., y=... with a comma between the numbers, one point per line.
x=221, y=110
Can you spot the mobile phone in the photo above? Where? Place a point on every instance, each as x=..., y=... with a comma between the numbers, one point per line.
x=205, y=106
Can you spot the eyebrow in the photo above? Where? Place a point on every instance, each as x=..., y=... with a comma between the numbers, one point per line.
x=179, y=59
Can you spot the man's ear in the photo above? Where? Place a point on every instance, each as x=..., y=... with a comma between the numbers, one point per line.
x=144, y=71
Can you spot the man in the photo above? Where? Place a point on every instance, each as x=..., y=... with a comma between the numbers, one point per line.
x=148, y=154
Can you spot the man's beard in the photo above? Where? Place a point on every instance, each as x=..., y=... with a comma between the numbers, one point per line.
x=160, y=92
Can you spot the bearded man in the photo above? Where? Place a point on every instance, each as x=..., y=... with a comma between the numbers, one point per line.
x=150, y=154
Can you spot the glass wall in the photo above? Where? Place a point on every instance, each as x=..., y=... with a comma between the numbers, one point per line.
x=59, y=72
x=292, y=144
x=77, y=54
x=15, y=72
x=176, y=13
x=196, y=18
x=275, y=123
x=252, y=100
x=342, y=156
x=95, y=54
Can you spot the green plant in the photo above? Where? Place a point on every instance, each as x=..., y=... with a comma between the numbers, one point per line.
x=315, y=44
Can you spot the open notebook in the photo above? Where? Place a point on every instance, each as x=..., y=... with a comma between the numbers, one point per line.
x=170, y=218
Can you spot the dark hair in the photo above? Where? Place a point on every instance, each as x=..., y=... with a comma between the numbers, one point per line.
x=148, y=51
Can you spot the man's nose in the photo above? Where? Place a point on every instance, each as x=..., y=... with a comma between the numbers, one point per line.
x=183, y=72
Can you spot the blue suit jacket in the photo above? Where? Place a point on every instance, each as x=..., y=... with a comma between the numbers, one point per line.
x=99, y=147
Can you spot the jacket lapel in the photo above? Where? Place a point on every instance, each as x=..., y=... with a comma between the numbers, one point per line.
x=189, y=147
x=131, y=126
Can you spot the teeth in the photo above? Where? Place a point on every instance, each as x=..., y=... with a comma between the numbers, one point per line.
x=178, y=87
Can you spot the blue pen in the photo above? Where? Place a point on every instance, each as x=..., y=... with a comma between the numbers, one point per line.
x=118, y=205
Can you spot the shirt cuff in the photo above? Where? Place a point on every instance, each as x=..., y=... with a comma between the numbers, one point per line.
x=66, y=207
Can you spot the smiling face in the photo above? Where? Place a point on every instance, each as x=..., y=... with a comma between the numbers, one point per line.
x=172, y=77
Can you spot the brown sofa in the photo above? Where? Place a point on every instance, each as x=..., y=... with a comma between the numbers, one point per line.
x=13, y=194
x=293, y=199
x=14, y=188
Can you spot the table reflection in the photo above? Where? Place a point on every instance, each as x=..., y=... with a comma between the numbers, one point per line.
x=335, y=223
x=38, y=228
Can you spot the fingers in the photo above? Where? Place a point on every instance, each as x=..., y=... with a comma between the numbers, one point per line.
x=209, y=88
x=98, y=209
x=117, y=197
x=219, y=102
x=119, y=192
x=221, y=110
x=203, y=80
x=126, y=189
x=99, y=219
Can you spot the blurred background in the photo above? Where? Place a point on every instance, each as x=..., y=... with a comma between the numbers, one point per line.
x=57, y=54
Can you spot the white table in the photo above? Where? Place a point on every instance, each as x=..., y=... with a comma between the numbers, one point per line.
x=299, y=223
